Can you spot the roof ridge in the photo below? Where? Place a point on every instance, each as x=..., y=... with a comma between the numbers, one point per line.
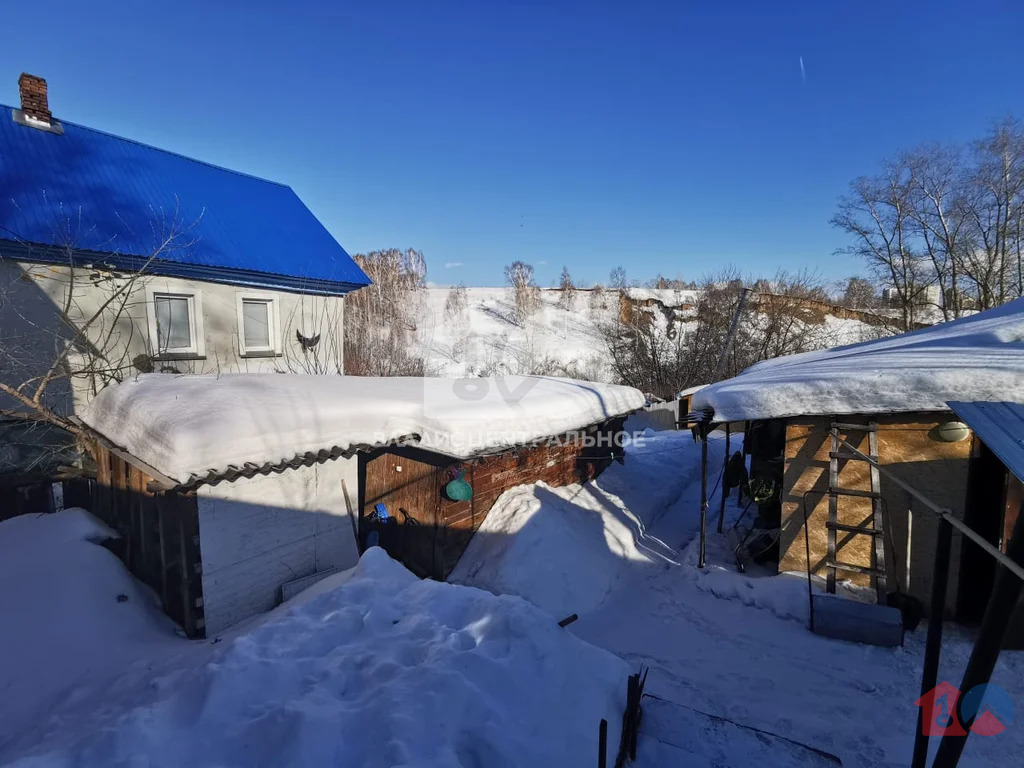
x=165, y=151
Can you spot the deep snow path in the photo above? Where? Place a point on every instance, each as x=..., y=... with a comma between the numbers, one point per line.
x=727, y=644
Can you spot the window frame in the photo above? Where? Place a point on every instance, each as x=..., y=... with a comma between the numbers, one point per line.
x=273, y=319
x=197, y=349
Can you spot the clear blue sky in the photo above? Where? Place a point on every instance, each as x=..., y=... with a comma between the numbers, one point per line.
x=667, y=137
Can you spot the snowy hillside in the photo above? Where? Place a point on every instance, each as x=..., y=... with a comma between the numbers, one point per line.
x=484, y=339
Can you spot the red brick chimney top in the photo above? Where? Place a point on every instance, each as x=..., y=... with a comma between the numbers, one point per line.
x=34, y=103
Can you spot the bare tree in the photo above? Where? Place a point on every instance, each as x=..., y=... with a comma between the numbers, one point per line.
x=567, y=299
x=456, y=306
x=525, y=293
x=995, y=209
x=877, y=214
x=938, y=213
x=662, y=349
x=381, y=318
x=69, y=330
x=617, y=279
x=944, y=225
x=858, y=293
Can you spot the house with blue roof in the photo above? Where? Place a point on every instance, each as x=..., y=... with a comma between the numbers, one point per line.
x=135, y=259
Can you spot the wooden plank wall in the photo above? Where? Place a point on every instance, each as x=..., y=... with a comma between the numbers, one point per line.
x=908, y=446
x=433, y=531
x=159, y=533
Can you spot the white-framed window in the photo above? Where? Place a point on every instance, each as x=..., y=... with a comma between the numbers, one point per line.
x=259, y=325
x=175, y=323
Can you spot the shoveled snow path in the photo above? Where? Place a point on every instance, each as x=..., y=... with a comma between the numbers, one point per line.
x=737, y=646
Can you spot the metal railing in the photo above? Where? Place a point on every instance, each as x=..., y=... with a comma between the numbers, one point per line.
x=1006, y=592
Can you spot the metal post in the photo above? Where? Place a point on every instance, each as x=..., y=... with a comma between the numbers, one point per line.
x=703, y=494
x=1005, y=593
x=933, y=644
x=721, y=485
x=744, y=295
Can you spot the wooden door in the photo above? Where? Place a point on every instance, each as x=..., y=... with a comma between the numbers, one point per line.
x=410, y=491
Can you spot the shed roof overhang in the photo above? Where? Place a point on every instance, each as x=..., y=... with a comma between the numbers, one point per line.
x=1000, y=426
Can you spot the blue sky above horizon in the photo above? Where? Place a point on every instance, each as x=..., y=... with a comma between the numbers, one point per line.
x=670, y=138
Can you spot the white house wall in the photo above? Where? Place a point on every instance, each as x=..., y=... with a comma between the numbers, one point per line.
x=32, y=296
x=259, y=533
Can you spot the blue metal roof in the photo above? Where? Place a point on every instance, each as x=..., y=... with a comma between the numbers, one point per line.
x=102, y=194
x=1000, y=426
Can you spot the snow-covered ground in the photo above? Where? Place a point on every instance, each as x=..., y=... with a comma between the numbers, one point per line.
x=621, y=552
x=371, y=667
x=374, y=667
x=485, y=340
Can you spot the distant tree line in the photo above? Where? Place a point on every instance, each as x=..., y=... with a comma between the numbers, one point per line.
x=381, y=318
x=943, y=225
x=658, y=343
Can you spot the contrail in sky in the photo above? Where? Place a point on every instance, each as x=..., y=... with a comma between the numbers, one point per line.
x=803, y=72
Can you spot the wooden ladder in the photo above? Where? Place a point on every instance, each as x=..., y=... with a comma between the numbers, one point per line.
x=874, y=529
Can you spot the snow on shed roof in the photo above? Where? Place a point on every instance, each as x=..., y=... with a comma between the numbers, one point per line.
x=117, y=201
x=690, y=391
x=975, y=358
x=188, y=426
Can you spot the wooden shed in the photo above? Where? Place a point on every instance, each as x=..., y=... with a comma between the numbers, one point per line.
x=233, y=492
x=835, y=437
x=427, y=530
x=901, y=541
x=233, y=544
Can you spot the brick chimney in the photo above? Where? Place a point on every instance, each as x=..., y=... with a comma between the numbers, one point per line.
x=33, y=98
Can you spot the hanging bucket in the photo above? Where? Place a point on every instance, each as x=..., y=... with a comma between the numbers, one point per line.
x=458, y=489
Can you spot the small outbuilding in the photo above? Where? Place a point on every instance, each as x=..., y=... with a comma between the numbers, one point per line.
x=812, y=418
x=231, y=493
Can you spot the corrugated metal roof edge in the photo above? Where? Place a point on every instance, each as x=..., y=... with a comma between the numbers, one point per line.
x=159, y=149
x=47, y=254
x=250, y=469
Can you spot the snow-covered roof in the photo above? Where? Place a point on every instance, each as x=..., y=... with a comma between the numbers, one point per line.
x=189, y=426
x=976, y=358
x=690, y=391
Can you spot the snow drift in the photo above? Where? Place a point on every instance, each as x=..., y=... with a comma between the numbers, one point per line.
x=188, y=425
x=376, y=668
x=975, y=358
x=70, y=610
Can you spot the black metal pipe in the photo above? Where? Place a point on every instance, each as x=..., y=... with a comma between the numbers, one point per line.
x=933, y=644
x=720, y=365
x=602, y=745
x=703, y=495
x=721, y=485
x=1005, y=594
